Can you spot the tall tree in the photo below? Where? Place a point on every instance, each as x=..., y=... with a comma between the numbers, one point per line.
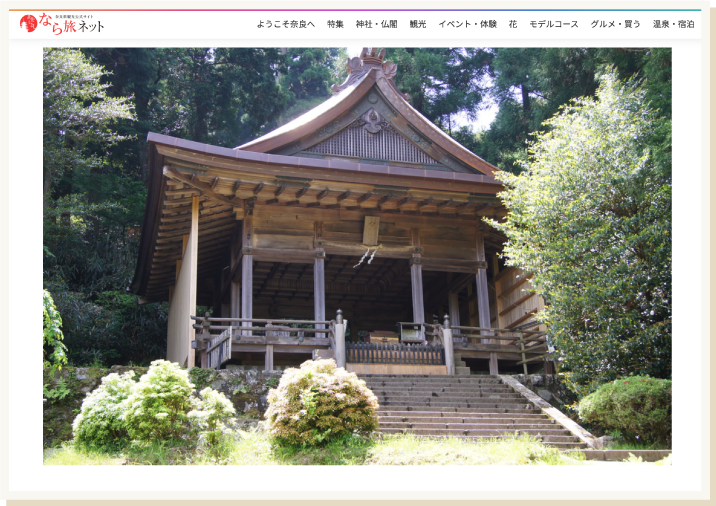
x=309, y=73
x=591, y=220
x=443, y=82
x=221, y=96
x=529, y=85
x=76, y=111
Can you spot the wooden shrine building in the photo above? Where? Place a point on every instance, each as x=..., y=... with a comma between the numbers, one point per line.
x=360, y=205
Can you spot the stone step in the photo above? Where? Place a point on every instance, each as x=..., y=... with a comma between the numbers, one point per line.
x=455, y=409
x=440, y=388
x=481, y=433
x=566, y=446
x=430, y=379
x=417, y=402
x=408, y=390
x=465, y=414
x=455, y=402
x=541, y=429
x=474, y=419
x=468, y=407
x=448, y=394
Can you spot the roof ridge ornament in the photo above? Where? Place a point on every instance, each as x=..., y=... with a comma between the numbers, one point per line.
x=369, y=59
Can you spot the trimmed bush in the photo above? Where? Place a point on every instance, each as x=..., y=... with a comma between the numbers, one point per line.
x=214, y=410
x=162, y=405
x=100, y=421
x=638, y=406
x=159, y=404
x=319, y=403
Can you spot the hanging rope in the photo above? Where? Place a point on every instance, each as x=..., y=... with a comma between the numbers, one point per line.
x=368, y=250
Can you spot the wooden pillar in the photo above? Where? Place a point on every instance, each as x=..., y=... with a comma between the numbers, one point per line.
x=416, y=278
x=471, y=306
x=235, y=287
x=247, y=273
x=269, y=357
x=180, y=330
x=340, y=339
x=319, y=278
x=483, y=300
x=319, y=292
x=449, y=348
x=499, y=306
x=454, y=309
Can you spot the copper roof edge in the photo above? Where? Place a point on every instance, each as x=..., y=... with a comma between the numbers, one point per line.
x=313, y=163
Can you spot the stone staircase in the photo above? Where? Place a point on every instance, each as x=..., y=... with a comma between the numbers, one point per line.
x=471, y=407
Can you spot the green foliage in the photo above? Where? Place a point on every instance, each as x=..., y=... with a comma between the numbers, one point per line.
x=59, y=392
x=162, y=406
x=307, y=79
x=76, y=111
x=100, y=422
x=591, y=220
x=201, y=377
x=253, y=448
x=221, y=96
x=531, y=84
x=159, y=404
x=211, y=415
x=442, y=82
x=112, y=329
x=319, y=403
x=53, y=349
x=638, y=406
x=272, y=382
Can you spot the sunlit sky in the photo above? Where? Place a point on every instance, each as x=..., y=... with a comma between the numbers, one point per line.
x=484, y=117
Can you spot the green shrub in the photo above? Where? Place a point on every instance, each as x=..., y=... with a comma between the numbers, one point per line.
x=100, y=420
x=319, y=403
x=214, y=410
x=159, y=404
x=638, y=406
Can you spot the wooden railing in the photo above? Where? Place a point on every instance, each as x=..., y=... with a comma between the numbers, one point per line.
x=215, y=336
x=218, y=350
x=517, y=340
x=269, y=329
x=395, y=353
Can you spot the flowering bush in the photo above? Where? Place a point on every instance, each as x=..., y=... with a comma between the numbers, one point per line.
x=159, y=404
x=162, y=405
x=319, y=402
x=100, y=421
x=637, y=406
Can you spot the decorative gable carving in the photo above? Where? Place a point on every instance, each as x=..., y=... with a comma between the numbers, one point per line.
x=372, y=137
x=360, y=65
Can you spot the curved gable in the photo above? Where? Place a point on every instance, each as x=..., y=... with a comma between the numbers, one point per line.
x=370, y=121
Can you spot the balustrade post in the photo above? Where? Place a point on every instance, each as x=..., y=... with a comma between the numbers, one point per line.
x=205, y=339
x=448, y=345
x=340, y=340
x=522, y=348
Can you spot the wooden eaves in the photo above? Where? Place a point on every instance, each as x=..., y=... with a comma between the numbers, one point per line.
x=229, y=180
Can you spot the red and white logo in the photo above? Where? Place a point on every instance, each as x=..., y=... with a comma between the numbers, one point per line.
x=29, y=23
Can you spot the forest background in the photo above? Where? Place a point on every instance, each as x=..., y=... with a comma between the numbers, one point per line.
x=95, y=174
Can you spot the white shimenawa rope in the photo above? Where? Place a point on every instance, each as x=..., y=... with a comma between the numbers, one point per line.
x=367, y=250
